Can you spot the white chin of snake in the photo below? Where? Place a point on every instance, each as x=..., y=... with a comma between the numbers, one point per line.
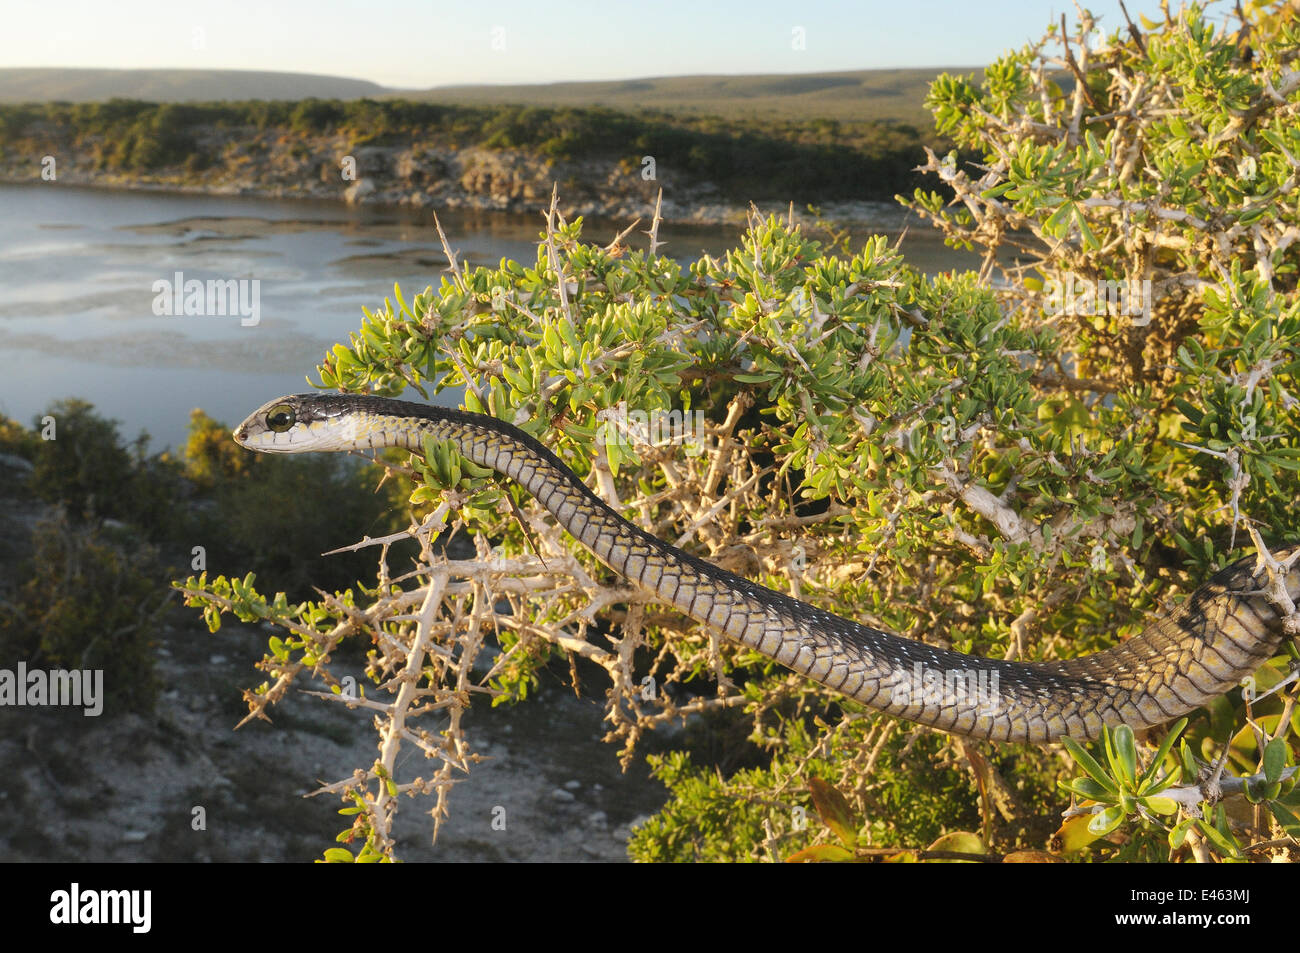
x=339, y=435
x=268, y=441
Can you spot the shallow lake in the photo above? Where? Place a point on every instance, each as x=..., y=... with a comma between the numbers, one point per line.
x=80, y=270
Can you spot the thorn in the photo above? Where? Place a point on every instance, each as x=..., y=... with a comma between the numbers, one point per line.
x=528, y=535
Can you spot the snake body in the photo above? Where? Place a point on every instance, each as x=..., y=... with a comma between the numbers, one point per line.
x=1218, y=636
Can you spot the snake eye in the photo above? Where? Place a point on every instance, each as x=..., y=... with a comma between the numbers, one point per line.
x=280, y=418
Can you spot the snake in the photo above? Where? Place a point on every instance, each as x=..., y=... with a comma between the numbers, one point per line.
x=1220, y=634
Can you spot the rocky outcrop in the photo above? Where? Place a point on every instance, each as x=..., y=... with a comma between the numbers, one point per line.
x=282, y=164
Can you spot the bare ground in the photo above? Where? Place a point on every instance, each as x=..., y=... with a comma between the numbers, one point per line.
x=182, y=785
x=129, y=788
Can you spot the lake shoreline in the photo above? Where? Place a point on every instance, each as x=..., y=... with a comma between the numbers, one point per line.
x=613, y=208
x=599, y=163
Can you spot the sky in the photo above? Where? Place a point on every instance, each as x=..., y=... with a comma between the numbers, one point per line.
x=423, y=43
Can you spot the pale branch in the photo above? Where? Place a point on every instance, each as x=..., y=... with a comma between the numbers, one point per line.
x=553, y=257
x=722, y=503
x=434, y=523
x=452, y=265
x=553, y=634
x=606, y=488
x=1191, y=796
x=1275, y=591
x=671, y=711
x=986, y=504
x=391, y=733
x=616, y=246
x=653, y=231
x=722, y=453
x=449, y=348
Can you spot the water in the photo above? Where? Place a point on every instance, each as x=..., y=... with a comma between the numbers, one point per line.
x=78, y=268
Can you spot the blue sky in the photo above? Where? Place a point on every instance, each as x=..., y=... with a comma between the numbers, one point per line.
x=421, y=43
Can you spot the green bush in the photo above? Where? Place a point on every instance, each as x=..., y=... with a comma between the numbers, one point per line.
x=93, y=475
x=85, y=466
x=316, y=115
x=88, y=601
x=82, y=595
x=18, y=440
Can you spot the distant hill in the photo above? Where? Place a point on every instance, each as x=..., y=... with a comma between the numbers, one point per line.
x=863, y=94
x=174, y=85
x=897, y=94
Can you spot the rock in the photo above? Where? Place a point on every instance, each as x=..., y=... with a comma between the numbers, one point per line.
x=358, y=190
x=503, y=178
x=562, y=796
x=374, y=160
x=411, y=170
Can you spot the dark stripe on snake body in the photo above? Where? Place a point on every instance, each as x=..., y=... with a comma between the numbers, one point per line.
x=1201, y=650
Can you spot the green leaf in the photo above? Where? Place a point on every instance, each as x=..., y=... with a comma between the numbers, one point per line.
x=1166, y=745
x=1122, y=748
x=961, y=841
x=1090, y=240
x=1275, y=753
x=823, y=853
x=834, y=810
x=1164, y=806
x=1106, y=820
x=1290, y=823
x=1090, y=766
x=1221, y=841
x=1087, y=788
x=1056, y=221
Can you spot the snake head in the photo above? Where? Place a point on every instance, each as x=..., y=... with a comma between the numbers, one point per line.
x=284, y=425
x=307, y=423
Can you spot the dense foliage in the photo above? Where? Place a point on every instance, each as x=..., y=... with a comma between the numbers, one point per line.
x=1012, y=472
x=84, y=584
x=747, y=159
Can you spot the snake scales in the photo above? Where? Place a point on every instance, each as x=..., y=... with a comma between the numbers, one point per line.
x=1219, y=635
